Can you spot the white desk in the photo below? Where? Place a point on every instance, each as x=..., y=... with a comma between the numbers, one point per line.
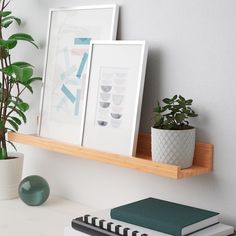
x=50, y=219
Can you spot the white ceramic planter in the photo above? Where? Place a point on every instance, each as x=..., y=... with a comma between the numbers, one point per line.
x=173, y=146
x=10, y=176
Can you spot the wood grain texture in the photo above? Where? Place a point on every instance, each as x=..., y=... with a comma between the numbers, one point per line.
x=202, y=161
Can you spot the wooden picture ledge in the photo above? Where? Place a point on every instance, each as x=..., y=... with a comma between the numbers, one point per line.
x=202, y=163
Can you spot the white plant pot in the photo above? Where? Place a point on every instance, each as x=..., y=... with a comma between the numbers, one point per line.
x=173, y=146
x=10, y=176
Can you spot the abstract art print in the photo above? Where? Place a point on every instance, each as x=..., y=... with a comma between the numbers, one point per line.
x=63, y=95
x=114, y=96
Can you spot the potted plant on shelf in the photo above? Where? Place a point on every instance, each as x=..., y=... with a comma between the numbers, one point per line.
x=16, y=77
x=172, y=137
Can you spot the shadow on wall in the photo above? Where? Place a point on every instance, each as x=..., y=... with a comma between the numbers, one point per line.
x=152, y=88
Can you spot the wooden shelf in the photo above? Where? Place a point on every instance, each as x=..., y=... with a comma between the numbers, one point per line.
x=202, y=157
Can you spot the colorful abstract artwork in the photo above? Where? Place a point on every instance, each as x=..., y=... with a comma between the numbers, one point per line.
x=72, y=78
x=69, y=74
x=64, y=92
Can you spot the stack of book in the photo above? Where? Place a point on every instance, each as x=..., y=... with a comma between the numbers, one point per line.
x=150, y=217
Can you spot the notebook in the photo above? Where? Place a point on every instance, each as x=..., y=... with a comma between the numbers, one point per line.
x=167, y=217
x=99, y=224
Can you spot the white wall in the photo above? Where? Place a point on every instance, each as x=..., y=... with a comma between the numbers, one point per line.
x=192, y=52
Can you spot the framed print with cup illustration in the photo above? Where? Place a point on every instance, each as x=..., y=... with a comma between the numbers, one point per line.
x=115, y=87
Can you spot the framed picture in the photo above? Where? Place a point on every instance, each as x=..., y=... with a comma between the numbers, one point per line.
x=114, y=96
x=63, y=94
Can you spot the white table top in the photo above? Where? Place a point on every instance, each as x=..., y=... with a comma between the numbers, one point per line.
x=50, y=219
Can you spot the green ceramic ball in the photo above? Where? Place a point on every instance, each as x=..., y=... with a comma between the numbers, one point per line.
x=34, y=190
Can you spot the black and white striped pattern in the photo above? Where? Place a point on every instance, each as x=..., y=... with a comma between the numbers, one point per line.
x=98, y=227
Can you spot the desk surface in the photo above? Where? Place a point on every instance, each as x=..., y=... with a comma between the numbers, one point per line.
x=50, y=219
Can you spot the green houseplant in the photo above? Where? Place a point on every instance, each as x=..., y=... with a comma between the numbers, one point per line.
x=173, y=138
x=16, y=77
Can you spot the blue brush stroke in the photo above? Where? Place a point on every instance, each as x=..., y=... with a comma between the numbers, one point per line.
x=77, y=102
x=82, y=64
x=68, y=93
x=82, y=41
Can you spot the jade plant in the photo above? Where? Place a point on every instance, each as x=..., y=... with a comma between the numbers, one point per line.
x=16, y=77
x=174, y=113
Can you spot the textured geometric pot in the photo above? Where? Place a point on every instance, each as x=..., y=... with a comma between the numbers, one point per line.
x=173, y=146
x=10, y=176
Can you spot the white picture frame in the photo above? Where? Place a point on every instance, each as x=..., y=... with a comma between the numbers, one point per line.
x=114, y=96
x=70, y=31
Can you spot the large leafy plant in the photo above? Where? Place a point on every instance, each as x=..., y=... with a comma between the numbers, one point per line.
x=16, y=77
x=174, y=113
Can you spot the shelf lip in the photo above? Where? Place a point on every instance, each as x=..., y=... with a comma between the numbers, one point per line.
x=137, y=163
x=188, y=172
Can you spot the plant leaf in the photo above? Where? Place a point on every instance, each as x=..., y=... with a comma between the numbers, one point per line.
x=5, y=24
x=8, y=70
x=22, y=64
x=18, y=20
x=157, y=109
x=15, y=68
x=24, y=37
x=8, y=44
x=18, y=71
x=5, y=13
x=34, y=79
x=157, y=119
x=167, y=100
x=179, y=117
x=15, y=119
x=27, y=73
x=181, y=98
x=174, y=97
x=12, y=145
x=29, y=88
x=23, y=106
x=23, y=74
x=20, y=113
x=192, y=114
x=13, y=124
x=189, y=101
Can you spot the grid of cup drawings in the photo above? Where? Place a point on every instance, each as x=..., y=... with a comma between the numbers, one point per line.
x=111, y=97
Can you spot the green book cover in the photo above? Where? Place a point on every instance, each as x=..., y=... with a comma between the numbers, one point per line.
x=164, y=216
